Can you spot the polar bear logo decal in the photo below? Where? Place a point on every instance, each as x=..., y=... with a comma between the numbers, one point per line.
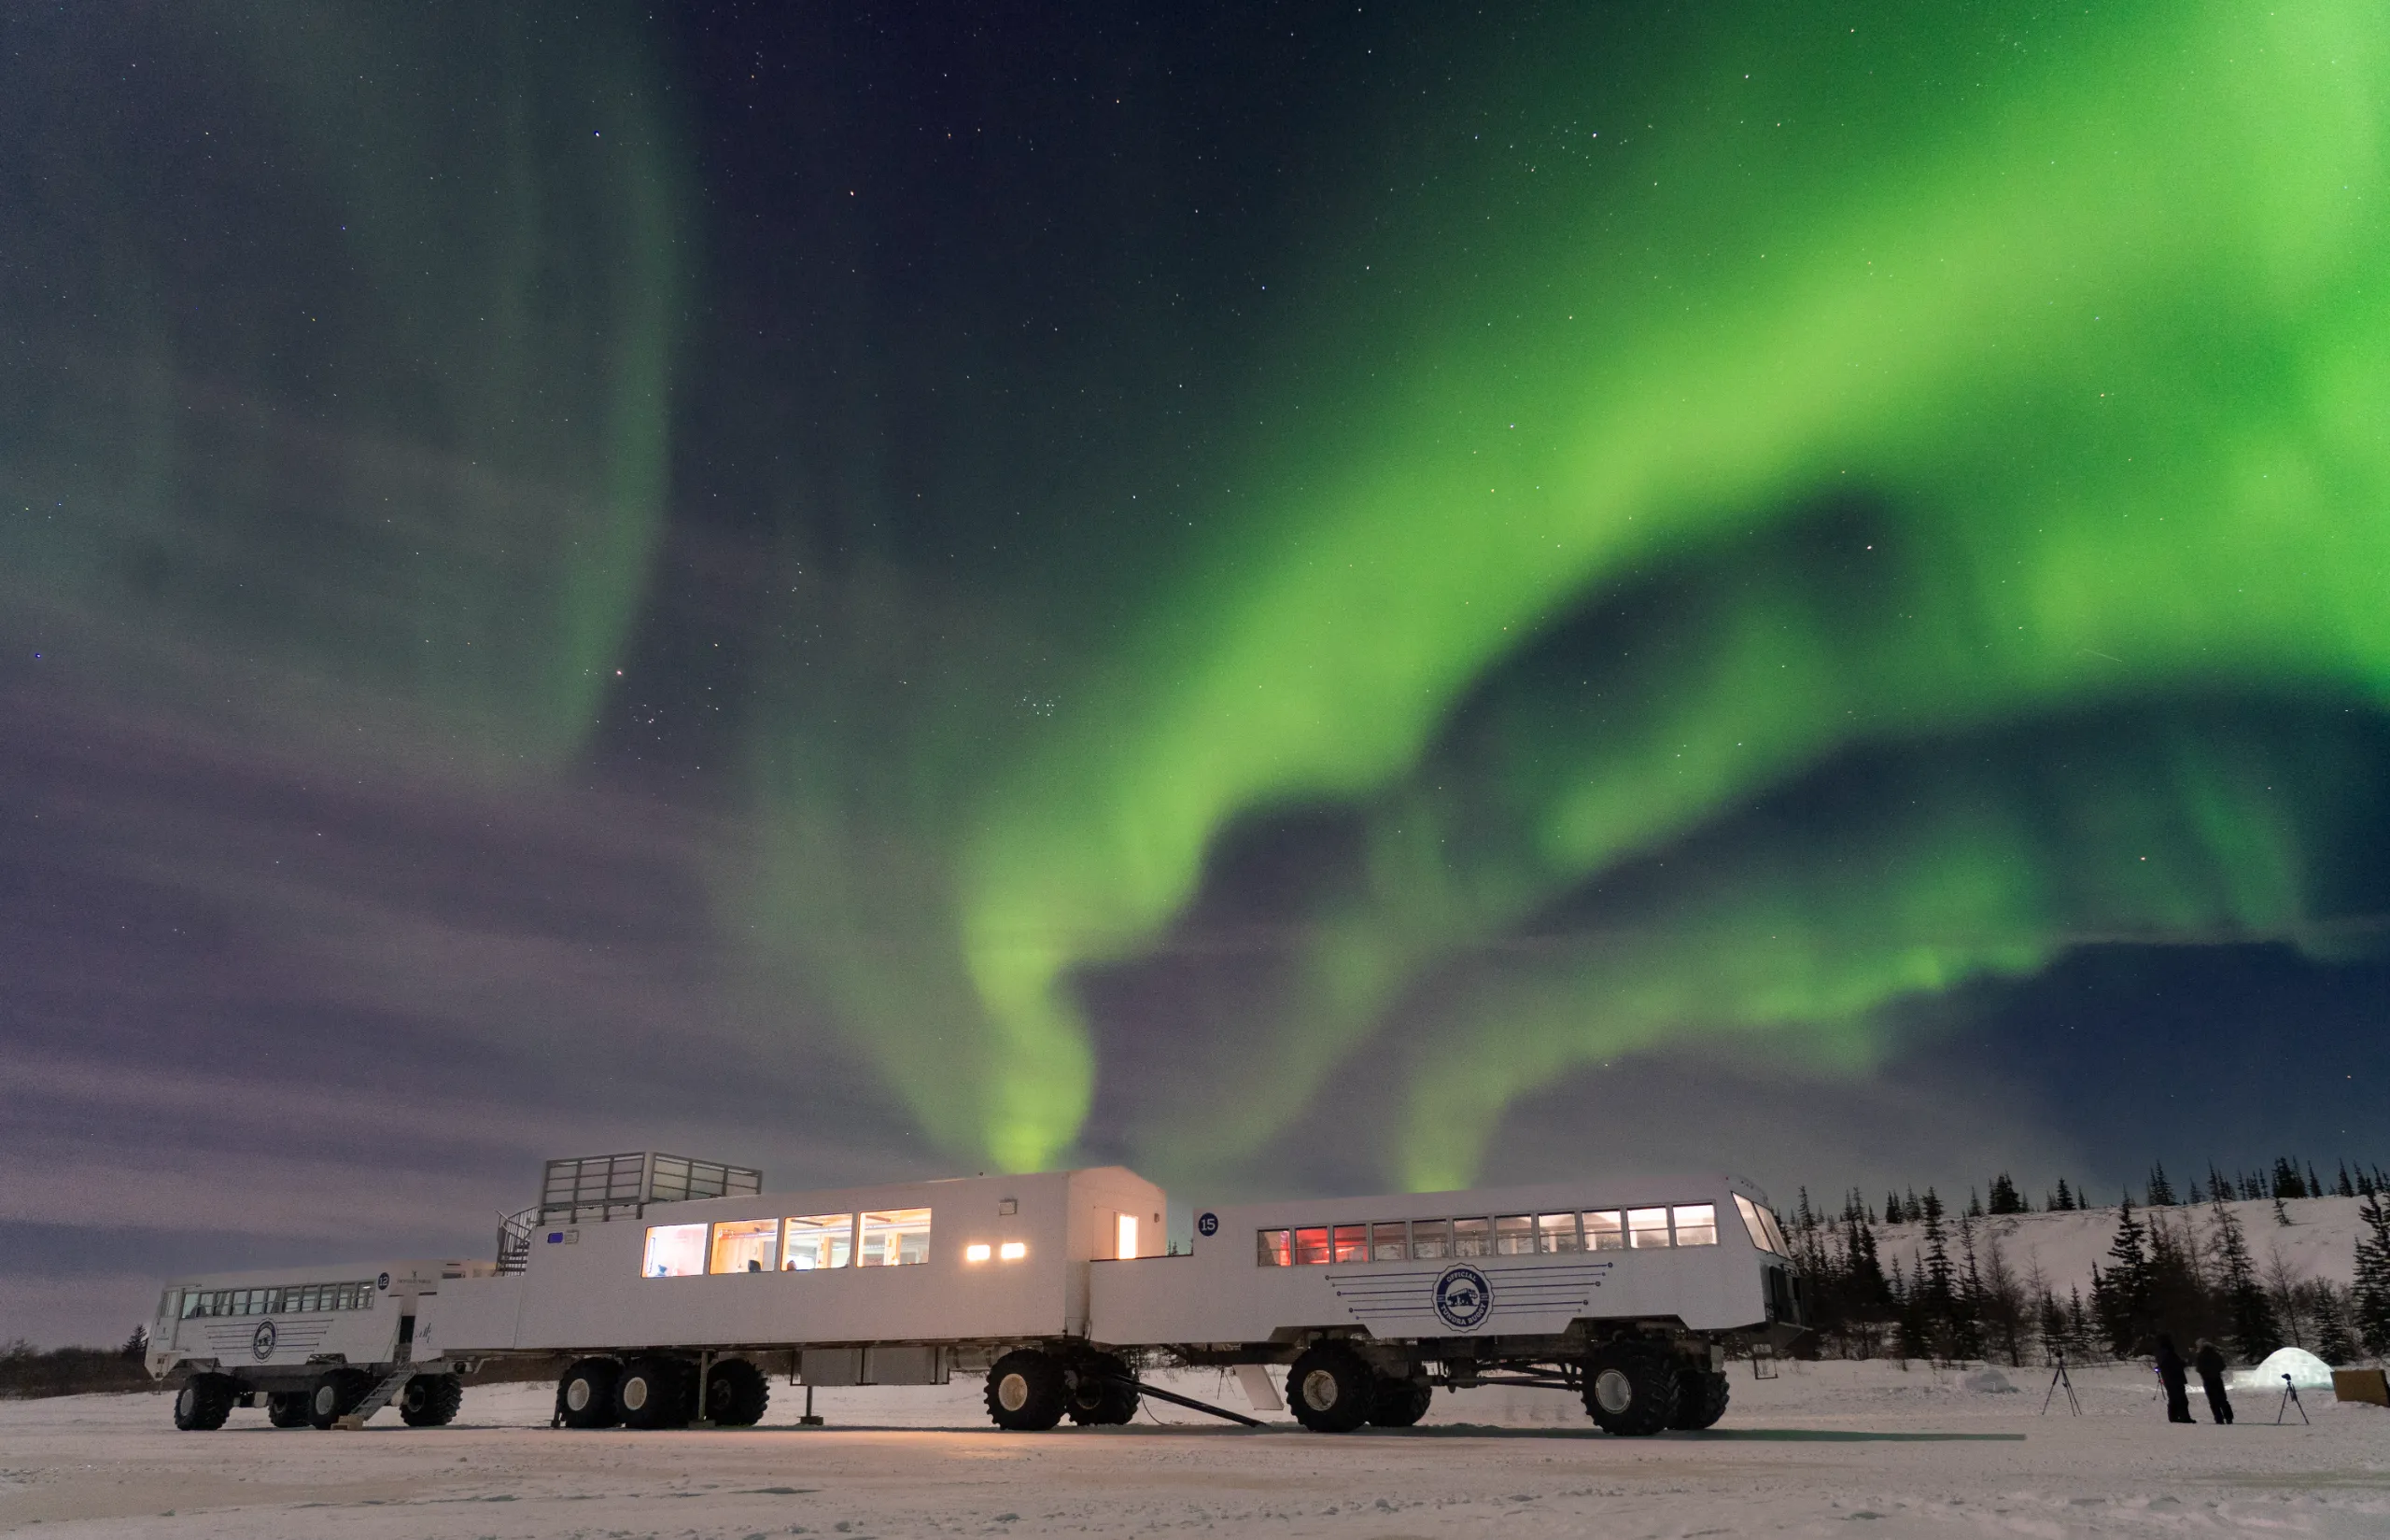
x=1464, y=1298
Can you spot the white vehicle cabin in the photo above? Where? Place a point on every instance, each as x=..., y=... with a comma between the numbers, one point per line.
x=1628, y=1291
x=317, y=1344
x=678, y=1310
x=677, y=1288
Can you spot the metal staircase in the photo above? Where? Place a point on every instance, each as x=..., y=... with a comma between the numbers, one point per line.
x=514, y=1232
x=380, y=1395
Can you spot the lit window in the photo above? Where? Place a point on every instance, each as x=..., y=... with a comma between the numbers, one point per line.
x=894, y=1237
x=1556, y=1233
x=1124, y=1237
x=817, y=1242
x=1473, y=1237
x=1605, y=1230
x=1697, y=1225
x=1311, y=1247
x=1774, y=1233
x=1352, y=1244
x=1514, y=1235
x=1012, y=1251
x=1750, y=1223
x=673, y=1250
x=978, y=1251
x=1431, y=1239
x=1273, y=1248
x=1387, y=1243
x=746, y=1246
x=1647, y=1228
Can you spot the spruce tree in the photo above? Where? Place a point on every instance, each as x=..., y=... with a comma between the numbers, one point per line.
x=2053, y=1323
x=1933, y=1294
x=2254, y=1333
x=2315, y=1185
x=2064, y=1201
x=1975, y=1205
x=2345, y=1190
x=2128, y=1280
x=2005, y=1200
x=2160, y=1192
x=2372, y=1288
x=1893, y=1212
x=2335, y=1344
x=1967, y=1306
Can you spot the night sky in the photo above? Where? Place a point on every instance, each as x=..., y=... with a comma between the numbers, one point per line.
x=1304, y=598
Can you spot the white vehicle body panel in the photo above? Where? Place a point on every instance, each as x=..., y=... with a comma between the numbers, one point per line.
x=582, y=1289
x=263, y=1334
x=1221, y=1295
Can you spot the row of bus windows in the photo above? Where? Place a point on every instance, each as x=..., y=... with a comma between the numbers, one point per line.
x=892, y=1237
x=1500, y=1235
x=305, y=1299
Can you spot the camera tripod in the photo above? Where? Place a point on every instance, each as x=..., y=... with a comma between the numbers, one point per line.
x=2059, y=1378
x=2290, y=1399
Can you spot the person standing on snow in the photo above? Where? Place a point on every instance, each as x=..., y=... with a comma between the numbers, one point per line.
x=2210, y=1364
x=2170, y=1372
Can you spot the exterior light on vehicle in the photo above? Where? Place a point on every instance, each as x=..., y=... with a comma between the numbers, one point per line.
x=977, y=1252
x=1013, y=1251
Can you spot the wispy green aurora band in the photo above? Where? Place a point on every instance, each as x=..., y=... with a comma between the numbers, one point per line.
x=341, y=343
x=2094, y=319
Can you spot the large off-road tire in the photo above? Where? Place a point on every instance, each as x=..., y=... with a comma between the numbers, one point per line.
x=1330, y=1390
x=1630, y=1387
x=431, y=1400
x=653, y=1392
x=1401, y=1403
x=1101, y=1393
x=204, y=1402
x=737, y=1393
x=586, y=1394
x=287, y=1408
x=1026, y=1392
x=1701, y=1399
x=336, y=1394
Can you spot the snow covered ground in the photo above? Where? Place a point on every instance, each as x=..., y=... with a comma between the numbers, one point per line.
x=1826, y=1448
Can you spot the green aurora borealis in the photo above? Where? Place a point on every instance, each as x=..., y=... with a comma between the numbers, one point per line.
x=1772, y=514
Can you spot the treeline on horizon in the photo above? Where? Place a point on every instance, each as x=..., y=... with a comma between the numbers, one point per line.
x=2289, y=1178
x=2165, y=1275
x=27, y=1372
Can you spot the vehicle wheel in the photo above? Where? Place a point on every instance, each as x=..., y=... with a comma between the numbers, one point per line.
x=1701, y=1399
x=1330, y=1389
x=1025, y=1392
x=1630, y=1387
x=204, y=1402
x=737, y=1393
x=287, y=1408
x=586, y=1394
x=652, y=1393
x=1099, y=1396
x=431, y=1400
x=335, y=1395
x=1401, y=1403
